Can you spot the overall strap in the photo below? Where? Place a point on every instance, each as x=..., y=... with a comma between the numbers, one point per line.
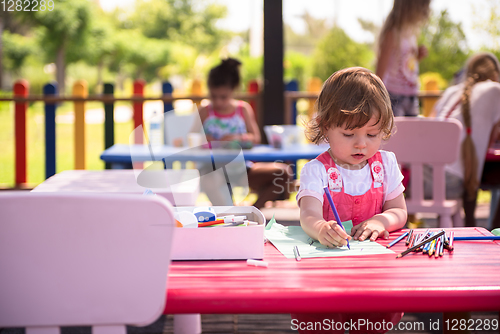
x=377, y=167
x=332, y=172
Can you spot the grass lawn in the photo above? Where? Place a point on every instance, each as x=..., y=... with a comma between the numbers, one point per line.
x=94, y=139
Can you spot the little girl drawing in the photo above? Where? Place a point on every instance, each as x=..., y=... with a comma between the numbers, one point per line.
x=353, y=115
x=231, y=120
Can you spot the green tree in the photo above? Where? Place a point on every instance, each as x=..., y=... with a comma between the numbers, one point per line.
x=192, y=22
x=447, y=46
x=16, y=48
x=336, y=51
x=11, y=25
x=305, y=43
x=489, y=26
x=138, y=55
x=63, y=33
x=297, y=66
x=102, y=38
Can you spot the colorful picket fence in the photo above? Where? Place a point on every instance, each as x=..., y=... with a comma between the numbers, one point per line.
x=80, y=97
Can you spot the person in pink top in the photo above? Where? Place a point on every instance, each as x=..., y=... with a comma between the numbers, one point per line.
x=354, y=116
x=399, y=54
x=230, y=120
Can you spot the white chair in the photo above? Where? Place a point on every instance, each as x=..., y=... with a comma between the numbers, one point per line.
x=420, y=141
x=72, y=259
x=177, y=127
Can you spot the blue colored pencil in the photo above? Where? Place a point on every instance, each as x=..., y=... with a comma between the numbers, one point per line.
x=334, y=210
x=486, y=237
x=397, y=240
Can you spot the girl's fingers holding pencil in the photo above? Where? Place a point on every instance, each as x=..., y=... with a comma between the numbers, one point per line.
x=331, y=234
x=340, y=235
x=340, y=231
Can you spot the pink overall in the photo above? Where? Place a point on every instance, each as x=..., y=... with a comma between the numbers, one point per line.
x=358, y=209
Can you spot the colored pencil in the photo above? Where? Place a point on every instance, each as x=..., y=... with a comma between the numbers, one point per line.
x=334, y=210
x=427, y=246
x=441, y=249
x=435, y=236
x=409, y=237
x=397, y=240
x=415, y=239
x=485, y=237
x=433, y=246
x=296, y=253
x=445, y=239
x=438, y=247
x=412, y=240
x=450, y=245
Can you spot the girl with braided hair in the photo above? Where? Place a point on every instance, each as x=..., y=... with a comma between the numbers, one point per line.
x=476, y=104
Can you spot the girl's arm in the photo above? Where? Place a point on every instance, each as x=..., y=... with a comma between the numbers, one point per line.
x=392, y=218
x=386, y=48
x=253, y=132
x=196, y=127
x=312, y=222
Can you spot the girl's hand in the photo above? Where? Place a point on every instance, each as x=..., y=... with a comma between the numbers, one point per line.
x=331, y=234
x=371, y=228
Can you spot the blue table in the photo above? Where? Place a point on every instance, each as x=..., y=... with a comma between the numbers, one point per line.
x=121, y=155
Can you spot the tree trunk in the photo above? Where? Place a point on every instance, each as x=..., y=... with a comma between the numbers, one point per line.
x=61, y=69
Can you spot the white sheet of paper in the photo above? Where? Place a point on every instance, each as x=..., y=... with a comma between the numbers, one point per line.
x=284, y=238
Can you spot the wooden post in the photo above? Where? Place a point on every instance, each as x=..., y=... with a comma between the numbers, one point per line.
x=313, y=86
x=167, y=89
x=196, y=90
x=80, y=90
x=50, y=89
x=21, y=89
x=274, y=87
x=139, y=85
x=109, y=120
x=429, y=102
x=291, y=106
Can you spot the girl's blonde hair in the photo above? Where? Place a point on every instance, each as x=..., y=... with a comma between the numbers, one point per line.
x=350, y=98
x=480, y=67
x=406, y=16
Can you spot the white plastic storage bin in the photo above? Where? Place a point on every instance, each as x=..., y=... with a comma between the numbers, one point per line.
x=221, y=243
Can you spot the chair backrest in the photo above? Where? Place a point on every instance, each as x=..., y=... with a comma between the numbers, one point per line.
x=178, y=126
x=83, y=259
x=426, y=140
x=419, y=141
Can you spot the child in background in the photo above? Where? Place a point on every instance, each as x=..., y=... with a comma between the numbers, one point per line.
x=353, y=115
x=399, y=54
x=227, y=119
x=476, y=104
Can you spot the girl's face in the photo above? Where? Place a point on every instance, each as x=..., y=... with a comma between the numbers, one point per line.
x=354, y=147
x=221, y=98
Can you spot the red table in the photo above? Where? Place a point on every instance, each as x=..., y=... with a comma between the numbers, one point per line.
x=467, y=280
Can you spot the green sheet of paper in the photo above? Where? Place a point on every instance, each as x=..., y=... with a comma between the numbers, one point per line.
x=284, y=238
